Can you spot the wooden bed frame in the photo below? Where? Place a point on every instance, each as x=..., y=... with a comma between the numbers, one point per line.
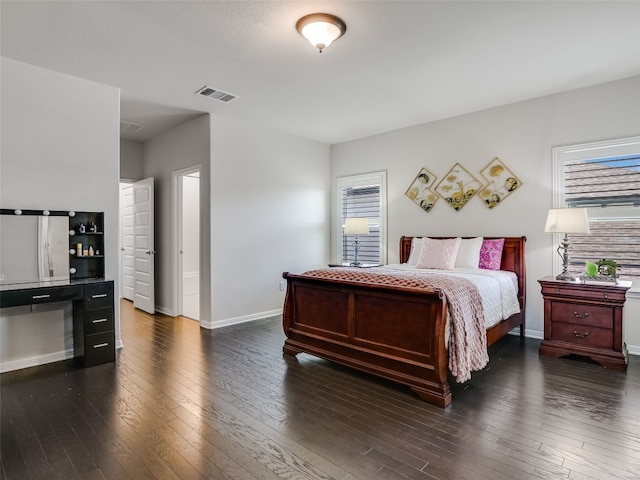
x=397, y=333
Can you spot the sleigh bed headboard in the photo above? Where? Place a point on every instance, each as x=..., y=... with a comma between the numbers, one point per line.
x=513, y=259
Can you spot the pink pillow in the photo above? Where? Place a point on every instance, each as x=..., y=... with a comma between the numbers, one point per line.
x=491, y=254
x=439, y=253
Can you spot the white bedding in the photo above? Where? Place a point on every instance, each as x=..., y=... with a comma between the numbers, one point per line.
x=498, y=289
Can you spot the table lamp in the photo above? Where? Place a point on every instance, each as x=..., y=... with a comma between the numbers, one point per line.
x=566, y=220
x=356, y=226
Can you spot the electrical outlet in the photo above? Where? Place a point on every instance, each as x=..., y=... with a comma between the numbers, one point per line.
x=282, y=285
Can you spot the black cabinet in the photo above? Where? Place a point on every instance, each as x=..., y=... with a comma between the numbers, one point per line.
x=86, y=245
x=93, y=325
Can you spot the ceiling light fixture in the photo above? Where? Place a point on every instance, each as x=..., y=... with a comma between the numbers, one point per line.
x=321, y=29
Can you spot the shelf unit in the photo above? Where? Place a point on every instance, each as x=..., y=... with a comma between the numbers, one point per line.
x=81, y=265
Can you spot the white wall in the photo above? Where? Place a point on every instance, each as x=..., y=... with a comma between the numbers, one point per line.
x=269, y=214
x=131, y=160
x=184, y=146
x=522, y=135
x=59, y=151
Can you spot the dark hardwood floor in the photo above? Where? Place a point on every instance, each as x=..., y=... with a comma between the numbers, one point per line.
x=186, y=403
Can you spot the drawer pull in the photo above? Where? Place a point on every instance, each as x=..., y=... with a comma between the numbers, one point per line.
x=36, y=297
x=99, y=320
x=557, y=290
x=584, y=315
x=100, y=345
x=606, y=295
x=580, y=335
x=100, y=295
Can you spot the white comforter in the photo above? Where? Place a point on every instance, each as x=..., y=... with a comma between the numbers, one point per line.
x=497, y=288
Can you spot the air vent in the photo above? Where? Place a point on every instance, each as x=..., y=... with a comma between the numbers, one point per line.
x=130, y=127
x=216, y=94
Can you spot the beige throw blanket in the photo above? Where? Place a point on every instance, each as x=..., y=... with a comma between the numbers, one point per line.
x=467, y=334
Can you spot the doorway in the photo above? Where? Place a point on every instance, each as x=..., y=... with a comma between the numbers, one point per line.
x=187, y=194
x=137, y=251
x=126, y=241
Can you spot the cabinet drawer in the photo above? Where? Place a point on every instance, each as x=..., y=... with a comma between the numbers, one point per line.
x=99, y=348
x=98, y=320
x=98, y=295
x=582, y=314
x=582, y=334
x=33, y=296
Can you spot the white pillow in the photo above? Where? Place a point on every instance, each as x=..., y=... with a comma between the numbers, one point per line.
x=439, y=253
x=469, y=252
x=416, y=250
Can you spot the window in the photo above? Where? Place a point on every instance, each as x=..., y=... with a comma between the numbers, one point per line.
x=604, y=177
x=362, y=196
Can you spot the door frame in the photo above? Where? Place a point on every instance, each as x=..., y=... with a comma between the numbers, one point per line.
x=176, y=229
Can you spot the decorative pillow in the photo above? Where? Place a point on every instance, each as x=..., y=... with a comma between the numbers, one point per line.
x=491, y=254
x=416, y=250
x=439, y=253
x=469, y=252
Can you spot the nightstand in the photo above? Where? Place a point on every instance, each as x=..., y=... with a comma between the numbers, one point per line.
x=584, y=319
x=361, y=265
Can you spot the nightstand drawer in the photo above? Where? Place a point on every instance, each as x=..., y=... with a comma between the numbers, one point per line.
x=582, y=335
x=582, y=314
x=606, y=293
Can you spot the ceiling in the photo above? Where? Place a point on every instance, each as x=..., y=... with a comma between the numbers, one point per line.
x=400, y=63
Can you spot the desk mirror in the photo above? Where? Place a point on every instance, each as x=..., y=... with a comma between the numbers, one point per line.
x=34, y=246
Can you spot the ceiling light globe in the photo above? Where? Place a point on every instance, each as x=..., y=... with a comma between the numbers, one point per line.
x=321, y=29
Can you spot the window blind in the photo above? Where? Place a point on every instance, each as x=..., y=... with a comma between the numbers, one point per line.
x=610, y=189
x=603, y=181
x=363, y=202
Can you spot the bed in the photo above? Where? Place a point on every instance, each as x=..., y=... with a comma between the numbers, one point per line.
x=397, y=332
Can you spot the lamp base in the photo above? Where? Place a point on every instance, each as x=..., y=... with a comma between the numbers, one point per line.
x=355, y=264
x=566, y=276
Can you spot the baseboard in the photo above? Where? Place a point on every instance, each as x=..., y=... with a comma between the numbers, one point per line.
x=245, y=318
x=528, y=333
x=534, y=334
x=36, y=361
x=633, y=349
x=165, y=311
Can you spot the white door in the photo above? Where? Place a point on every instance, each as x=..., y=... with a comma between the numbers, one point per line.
x=143, y=252
x=126, y=241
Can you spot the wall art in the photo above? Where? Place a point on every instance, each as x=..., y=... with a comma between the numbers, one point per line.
x=420, y=190
x=458, y=187
x=501, y=182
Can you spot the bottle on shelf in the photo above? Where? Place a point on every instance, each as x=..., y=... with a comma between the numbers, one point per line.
x=91, y=250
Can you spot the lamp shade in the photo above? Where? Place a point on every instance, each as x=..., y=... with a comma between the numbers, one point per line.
x=356, y=226
x=321, y=29
x=567, y=220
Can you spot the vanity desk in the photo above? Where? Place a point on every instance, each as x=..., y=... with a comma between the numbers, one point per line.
x=93, y=317
x=58, y=256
